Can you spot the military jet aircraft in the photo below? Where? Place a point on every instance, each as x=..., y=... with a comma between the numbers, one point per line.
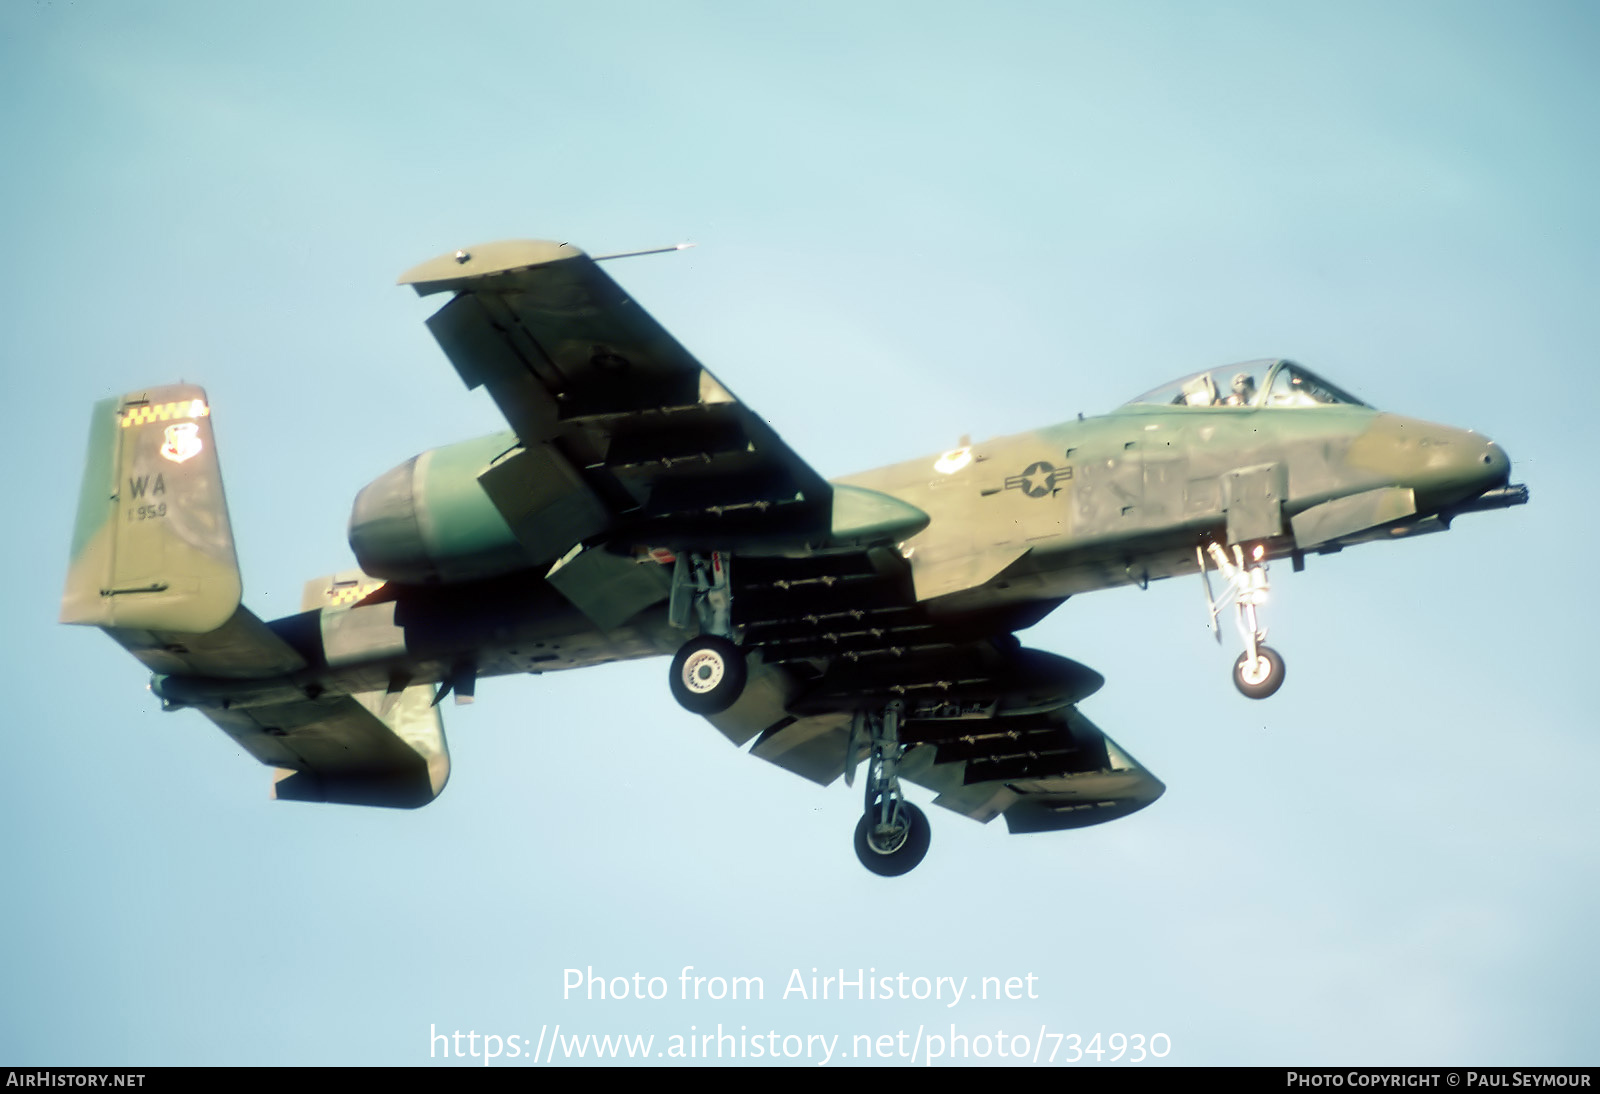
x=636, y=508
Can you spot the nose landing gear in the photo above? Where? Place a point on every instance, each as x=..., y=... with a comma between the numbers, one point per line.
x=1259, y=671
x=1261, y=676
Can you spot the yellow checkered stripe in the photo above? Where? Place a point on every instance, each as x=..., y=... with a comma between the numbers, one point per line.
x=348, y=594
x=163, y=412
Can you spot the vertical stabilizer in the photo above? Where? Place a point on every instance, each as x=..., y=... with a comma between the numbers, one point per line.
x=152, y=548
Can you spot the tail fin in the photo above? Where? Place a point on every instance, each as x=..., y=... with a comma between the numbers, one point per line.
x=152, y=548
x=153, y=565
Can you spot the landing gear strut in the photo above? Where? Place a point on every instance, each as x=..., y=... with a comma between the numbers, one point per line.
x=1259, y=671
x=892, y=836
x=708, y=674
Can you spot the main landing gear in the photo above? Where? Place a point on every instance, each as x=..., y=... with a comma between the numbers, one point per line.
x=1259, y=671
x=892, y=836
x=708, y=674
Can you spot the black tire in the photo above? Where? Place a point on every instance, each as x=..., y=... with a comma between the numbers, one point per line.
x=708, y=675
x=1267, y=677
x=904, y=857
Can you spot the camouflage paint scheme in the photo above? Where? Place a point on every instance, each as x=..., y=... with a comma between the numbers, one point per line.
x=632, y=482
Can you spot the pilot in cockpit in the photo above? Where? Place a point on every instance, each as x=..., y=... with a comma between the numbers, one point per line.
x=1244, y=390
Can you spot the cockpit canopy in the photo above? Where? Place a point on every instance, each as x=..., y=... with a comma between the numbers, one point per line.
x=1266, y=383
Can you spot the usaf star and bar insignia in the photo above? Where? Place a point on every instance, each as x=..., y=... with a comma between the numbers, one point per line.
x=1039, y=479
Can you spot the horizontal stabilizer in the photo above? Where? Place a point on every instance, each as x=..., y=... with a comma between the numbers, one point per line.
x=243, y=648
x=376, y=748
x=153, y=565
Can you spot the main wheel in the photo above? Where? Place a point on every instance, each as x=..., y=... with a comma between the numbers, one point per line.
x=1261, y=679
x=708, y=675
x=896, y=852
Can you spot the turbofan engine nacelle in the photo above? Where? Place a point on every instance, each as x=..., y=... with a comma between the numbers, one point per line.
x=428, y=521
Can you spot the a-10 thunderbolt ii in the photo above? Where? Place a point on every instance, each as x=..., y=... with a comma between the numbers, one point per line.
x=637, y=508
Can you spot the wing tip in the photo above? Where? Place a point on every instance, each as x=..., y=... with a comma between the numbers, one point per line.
x=449, y=271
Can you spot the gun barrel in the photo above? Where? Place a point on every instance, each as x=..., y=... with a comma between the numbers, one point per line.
x=1501, y=497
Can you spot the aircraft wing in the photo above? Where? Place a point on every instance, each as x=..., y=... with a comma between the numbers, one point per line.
x=618, y=425
x=1070, y=776
x=993, y=729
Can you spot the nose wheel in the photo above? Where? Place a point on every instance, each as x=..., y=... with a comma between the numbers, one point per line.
x=1260, y=677
x=1259, y=671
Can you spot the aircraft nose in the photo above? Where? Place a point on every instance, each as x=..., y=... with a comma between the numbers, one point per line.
x=1472, y=461
x=1443, y=464
x=1497, y=465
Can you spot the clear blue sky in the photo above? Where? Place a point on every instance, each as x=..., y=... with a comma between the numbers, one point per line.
x=915, y=220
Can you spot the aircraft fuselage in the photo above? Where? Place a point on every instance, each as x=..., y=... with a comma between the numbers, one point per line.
x=1120, y=499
